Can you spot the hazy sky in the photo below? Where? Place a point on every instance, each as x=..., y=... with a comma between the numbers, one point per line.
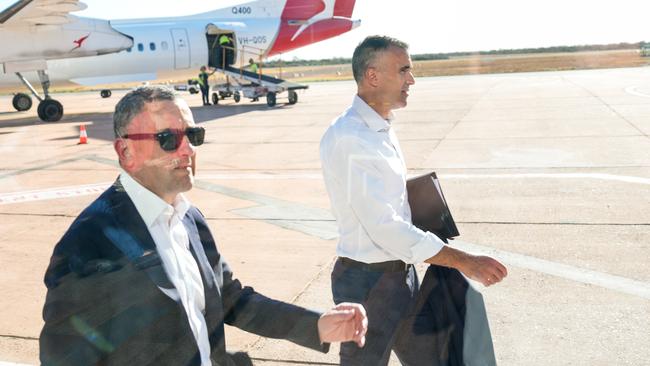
x=445, y=26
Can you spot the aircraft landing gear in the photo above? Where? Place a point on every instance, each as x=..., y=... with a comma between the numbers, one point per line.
x=293, y=97
x=49, y=110
x=22, y=102
x=105, y=93
x=270, y=99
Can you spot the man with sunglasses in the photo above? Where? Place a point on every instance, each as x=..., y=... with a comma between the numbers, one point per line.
x=138, y=280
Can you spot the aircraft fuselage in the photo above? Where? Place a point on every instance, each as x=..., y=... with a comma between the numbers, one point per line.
x=162, y=49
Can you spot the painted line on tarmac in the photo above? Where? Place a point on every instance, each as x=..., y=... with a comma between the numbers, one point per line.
x=597, y=176
x=318, y=222
x=309, y=220
x=53, y=193
x=261, y=176
x=577, y=274
x=633, y=91
x=318, y=176
x=74, y=191
x=286, y=215
x=37, y=168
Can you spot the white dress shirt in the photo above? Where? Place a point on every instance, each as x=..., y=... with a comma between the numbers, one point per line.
x=172, y=243
x=365, y=176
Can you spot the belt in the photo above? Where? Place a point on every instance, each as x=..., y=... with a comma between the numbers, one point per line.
x=389, y=266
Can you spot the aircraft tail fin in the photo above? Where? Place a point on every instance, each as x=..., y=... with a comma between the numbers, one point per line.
x=305, y=22
x=308, y=9
x=344, y=8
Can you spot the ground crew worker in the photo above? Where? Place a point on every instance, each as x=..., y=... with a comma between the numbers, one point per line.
x=205, y=85
x=224, y=43
x=252, y=65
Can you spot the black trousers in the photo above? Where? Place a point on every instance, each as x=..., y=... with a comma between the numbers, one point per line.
x=205, y=94
x=388, y=298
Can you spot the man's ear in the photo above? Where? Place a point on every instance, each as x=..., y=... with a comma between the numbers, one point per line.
x=372, y=76
x=122, y=150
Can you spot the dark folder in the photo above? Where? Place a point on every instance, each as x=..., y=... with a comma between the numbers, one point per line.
x=429, y=210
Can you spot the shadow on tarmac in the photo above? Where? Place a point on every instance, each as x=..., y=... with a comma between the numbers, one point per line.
x=102, y=123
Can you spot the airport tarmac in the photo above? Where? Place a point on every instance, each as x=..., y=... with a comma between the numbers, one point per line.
x=549, y=172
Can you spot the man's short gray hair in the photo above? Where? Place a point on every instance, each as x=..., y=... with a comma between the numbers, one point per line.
x=133, y=103
x=367, y=51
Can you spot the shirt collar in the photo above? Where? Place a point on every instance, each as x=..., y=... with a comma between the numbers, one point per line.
x=370, y=116
x=149, y=205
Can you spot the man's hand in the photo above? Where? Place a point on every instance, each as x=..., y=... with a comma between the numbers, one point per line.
x=345, y=322
x=485, y=270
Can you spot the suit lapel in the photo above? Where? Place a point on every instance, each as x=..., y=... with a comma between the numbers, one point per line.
x=131, y=236
x=213, y=304
x=199, y=253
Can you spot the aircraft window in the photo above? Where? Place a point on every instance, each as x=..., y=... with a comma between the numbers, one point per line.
x=129, y=49
x=140, y=47
x=164, y=45
x=152, y=46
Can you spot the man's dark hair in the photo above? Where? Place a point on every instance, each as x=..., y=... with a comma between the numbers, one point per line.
x=367, y=51
x=133, y=103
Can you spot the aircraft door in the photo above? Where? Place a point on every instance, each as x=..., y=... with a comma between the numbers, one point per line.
x=181, y=48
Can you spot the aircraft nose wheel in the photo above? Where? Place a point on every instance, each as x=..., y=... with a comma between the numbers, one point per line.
x=22, y=102
x=105, y=93
x=50, y=110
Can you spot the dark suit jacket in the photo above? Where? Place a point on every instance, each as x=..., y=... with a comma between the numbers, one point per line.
x=104, y=305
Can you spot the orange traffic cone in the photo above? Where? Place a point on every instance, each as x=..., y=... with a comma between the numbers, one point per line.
x=83, y=136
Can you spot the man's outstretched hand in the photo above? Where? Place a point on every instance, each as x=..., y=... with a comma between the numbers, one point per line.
x=343, y=323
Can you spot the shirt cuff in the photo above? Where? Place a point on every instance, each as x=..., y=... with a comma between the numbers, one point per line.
x=426, y=248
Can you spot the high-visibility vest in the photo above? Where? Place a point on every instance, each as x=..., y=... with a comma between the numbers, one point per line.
x=224, y=39
x=254, y=67
x=201, y=78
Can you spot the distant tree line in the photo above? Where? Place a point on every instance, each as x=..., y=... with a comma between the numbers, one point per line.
x=445, y=56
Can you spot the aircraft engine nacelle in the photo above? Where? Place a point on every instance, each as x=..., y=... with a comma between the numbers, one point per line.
x=79, y=38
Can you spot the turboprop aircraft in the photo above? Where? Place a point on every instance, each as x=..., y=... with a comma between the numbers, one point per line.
x=41, y=41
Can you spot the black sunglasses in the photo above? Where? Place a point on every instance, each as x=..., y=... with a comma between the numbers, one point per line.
x=170, y=139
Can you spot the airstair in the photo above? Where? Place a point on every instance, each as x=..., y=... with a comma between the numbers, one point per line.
x=246, y=83
x=253, y=85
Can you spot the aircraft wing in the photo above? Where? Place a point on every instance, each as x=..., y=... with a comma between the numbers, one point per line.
x=39, y=12
x=33, y=31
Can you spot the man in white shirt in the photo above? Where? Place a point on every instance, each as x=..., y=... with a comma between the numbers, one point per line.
x=137, y=279
x=365, y=176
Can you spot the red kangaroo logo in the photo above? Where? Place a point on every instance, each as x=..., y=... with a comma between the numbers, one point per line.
x=79, y=42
